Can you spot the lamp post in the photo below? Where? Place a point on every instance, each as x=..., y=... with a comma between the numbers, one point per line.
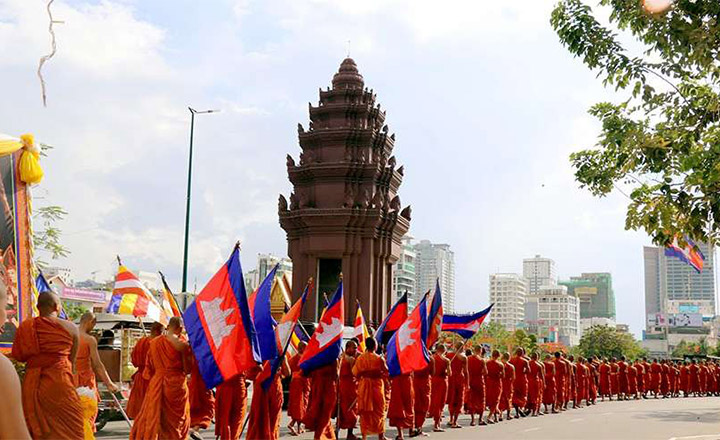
x=193, y=112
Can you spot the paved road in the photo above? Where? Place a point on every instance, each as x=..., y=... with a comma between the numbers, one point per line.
x=673, y=419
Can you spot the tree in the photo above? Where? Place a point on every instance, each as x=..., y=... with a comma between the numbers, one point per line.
x=663, y=138
x=494, y=334
x=47, y=237
x=606, y=341
x=73, y=311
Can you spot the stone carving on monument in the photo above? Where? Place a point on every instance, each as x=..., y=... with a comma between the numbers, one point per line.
x=343, y=170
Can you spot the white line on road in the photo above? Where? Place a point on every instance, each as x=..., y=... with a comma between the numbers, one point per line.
x=698, y=437
x=606, y=414
x=531, y=429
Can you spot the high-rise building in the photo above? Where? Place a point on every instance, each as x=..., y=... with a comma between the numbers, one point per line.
x=404, y=272
x=558, y=315
x=539, y=272
x=673, y=286
x=594, y=292
x=507, y=293
x=433, y=262
x=265, y=263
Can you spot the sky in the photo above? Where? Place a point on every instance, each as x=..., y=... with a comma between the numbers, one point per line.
x=485, y=103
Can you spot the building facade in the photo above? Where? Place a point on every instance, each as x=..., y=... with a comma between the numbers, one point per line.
x=539, y=272
x=508, y=292
x=404, y=274
x=558, y=315
x=436, y=262
x=595, y=293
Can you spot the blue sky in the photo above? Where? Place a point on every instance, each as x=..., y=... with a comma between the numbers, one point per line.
x=485, y=103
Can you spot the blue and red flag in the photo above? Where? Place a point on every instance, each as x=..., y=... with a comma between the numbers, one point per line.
x=435, y=317
x=263, y=320
x=394, y=319
x=688, y=254
x=220, y=328
x=283, y=334
x=42, y=286
x=406, y=351
x=465, y=325
x=325, y=344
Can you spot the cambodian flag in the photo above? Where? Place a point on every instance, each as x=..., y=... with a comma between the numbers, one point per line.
x=394, y=319
x=219, y=326
x=465, y=325
x=263, y=320
x=406, y=351
x=688, y=254
x=435, y=317
x=326, y=343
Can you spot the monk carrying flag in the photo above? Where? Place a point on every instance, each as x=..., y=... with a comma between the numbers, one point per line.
x=139, y=359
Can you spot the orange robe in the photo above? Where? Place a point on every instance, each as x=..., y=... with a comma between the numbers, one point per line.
x=520, y=384
x=265, y=410
x=402, y=402
x=493, y=383
x=457, y=384
x=655, y=377
x=230, y=407
x=535, y=383
x=438, y=386
x=549, y=393
x=581, y=377
x=693, y=378
x=475, y=397
x=632, y=379
x=348, y=395
x=202, y=401
x=605, y=389
x=665, y=379
x=139, y=383
x=299, y=391
x=370, y=370
x=85, y=375
x=421, y=387
x=165, y=412
x=507, y=387
x=614, y=382
x=323, y=401
x=50, y=403
x=560, y=375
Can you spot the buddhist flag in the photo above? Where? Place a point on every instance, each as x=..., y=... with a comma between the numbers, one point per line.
x=361, y=331
x=169, y=304
x=131, y=297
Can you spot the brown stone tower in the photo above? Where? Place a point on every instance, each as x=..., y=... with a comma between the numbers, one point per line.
x=344, y=214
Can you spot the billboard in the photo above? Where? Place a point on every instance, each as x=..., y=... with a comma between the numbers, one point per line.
x=686, y=320
x=585, y=291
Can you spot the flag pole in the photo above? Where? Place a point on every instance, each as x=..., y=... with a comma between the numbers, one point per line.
x=337, y=383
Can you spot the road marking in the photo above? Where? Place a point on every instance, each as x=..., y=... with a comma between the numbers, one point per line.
x=606, y=414
x=576, y=420
x=708, y=437
x=531, y=429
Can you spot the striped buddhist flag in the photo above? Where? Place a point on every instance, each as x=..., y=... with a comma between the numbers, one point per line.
x=169, y=304
x=131, y=297
x=361, y=332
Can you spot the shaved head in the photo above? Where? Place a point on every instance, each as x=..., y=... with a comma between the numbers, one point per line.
x=48, y=303
x=175, y=325
x=156, y=329
x=87, y=322
x=87, y=317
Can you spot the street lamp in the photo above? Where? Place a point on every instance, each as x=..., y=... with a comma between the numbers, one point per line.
x=193, y=112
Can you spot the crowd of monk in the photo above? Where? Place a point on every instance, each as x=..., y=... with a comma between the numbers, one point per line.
x=355, y=390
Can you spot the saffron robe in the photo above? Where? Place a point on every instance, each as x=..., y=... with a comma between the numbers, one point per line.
x=560, y=375
x=421, y=389
x=494, y=384
x=85, y=375
x=402, y=402
x=265, y=409
x=323, y=401
x=535, y=383
x=632, y=379
x=614, y=383
x=550, y=392
x=347, y=418
x=605, y=389
x=230, y=408
x=640, y=377
x=370, y=370
x=457, y=384
x=475, y=397
x=665, y=379
x=507, y=387
x=622, y=377
x=299, y=391
x=521, y=382
x=655, y=379
x=50, y=403
x=165, y=412
x=439, y=386
x=684, y=379
x=139, y=383
x=202, y=401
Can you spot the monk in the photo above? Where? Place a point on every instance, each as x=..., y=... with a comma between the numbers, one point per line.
x=622, y=379
x=702, y=367
x=580, y=379
x=370, y=369
x=632, y=374
x=648, y=376
x=655, y=377
x=421, y=388
x=299, y=392
x=536, y=383
x=604, y=371
x=507, y=386
x=12, y=421
x=614, y=378
x=439, y=386
x=520, y=384
x=202, y=401
x=569, y=380
x=493, y=386
x=49, y=347
x=165, y=412
x=457, y=385
x=88, y=360
x=139, y=358
x=323, y=401
x=230, y=407
x=664, y=379
x=475, y=398
x=640, y=378
x=267, y=402
x=560, y=375
x=549, y=392
x=402, y=402
x=684, y=378
x=592, y=380
x=347, y=418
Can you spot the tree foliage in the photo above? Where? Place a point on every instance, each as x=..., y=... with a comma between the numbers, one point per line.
x=46, y=234
x=606, y=341
x=499, y=338
x=74, y=312
x=663, y=139
x=691, y=348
